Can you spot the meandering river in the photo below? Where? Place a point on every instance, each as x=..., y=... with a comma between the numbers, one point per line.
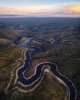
x=38, y=71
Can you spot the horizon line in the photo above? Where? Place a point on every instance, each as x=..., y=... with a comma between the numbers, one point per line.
x=22, y=15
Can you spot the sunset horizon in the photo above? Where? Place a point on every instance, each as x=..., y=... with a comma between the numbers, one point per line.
x=39, y=49
x=40, y=8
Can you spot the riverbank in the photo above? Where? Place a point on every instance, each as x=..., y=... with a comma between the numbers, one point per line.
x=34, y=75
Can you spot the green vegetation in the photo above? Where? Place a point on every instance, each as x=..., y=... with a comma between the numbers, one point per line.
x=67, y=57
x=8, y=57
x=9, y=34
x=66, y=54
x=49, y=89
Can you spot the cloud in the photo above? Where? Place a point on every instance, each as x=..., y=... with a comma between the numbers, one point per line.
x=47, y=10
x=72, y=9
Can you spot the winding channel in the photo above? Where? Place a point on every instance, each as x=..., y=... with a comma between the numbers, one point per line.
x=36, y=78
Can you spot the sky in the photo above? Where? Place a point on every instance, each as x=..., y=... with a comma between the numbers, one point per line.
x=40, y=7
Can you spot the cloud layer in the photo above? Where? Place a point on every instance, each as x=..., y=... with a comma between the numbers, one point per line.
x=45, y=10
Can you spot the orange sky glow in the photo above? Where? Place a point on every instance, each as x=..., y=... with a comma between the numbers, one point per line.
x=43, y=10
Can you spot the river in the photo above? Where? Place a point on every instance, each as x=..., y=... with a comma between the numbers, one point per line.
x=38, y=71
